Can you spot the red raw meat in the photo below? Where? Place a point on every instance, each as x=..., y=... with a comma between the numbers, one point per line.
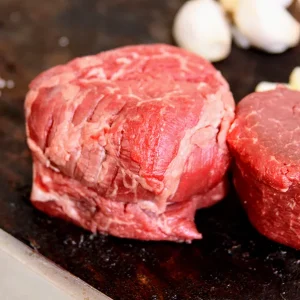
x=265, y=142
x=131, y=141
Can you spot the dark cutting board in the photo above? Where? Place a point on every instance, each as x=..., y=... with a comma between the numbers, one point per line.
x=232, y=261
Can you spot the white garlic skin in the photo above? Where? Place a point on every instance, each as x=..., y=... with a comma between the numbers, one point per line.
x=267, y=26
x=284, y=3
x=239, y=39
x=200, y=26
x=231, y=5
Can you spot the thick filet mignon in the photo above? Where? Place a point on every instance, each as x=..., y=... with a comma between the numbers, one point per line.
x=131, y=141
x=265, y=142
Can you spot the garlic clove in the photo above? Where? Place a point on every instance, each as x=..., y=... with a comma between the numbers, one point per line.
x=295, y=79
x=284, y=3
x=264, y=86
x=239, y=39
x=201, y=26
x=270, y=28
x=230, y=5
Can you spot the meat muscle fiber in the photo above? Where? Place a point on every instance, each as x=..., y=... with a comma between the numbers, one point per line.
x=131, y=141
x=265, y=142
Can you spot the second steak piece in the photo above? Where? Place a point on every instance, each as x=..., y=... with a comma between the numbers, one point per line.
x=131, y=141
x=265, y=142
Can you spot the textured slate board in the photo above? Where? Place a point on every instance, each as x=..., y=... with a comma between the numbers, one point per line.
x=232, y=261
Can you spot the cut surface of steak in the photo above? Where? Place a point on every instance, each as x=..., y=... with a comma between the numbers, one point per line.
x=131, y=141
x=265, y=142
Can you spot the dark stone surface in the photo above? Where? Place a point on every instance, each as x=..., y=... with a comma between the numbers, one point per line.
x=232, y=261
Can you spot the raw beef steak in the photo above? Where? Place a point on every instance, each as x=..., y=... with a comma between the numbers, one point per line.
x=265, y=142
x=131, y=141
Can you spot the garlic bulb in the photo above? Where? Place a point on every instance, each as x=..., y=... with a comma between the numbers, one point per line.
x=266, y=25
x=264, y=86
x=201, y=27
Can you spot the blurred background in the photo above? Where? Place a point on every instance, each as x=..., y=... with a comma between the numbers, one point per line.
x=36, y=35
